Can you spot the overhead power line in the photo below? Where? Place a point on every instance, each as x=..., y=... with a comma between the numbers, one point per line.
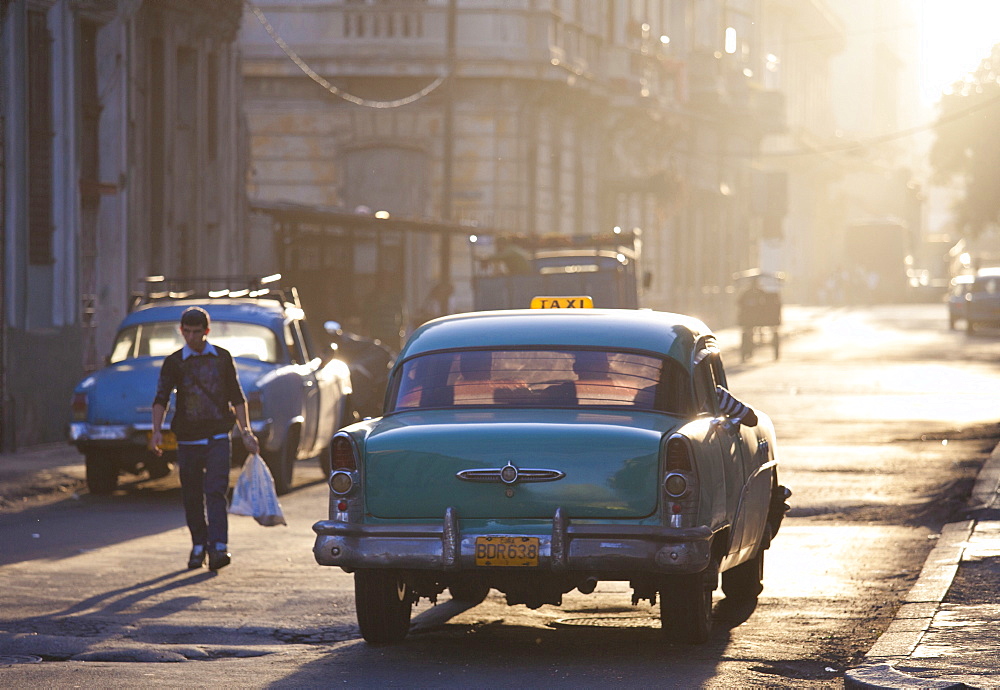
x=891, y=136
x=319, y=79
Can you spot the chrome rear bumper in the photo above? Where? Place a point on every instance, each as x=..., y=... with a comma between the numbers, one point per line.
x=569, y=547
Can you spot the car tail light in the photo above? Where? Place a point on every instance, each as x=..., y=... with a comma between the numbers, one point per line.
x=255, y=405
x=342, y=451
x=341, y=482
x=678, y=455
x=680, y=490
x=79, y=407
x=676, y=485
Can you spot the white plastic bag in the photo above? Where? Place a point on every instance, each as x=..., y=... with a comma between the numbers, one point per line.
x=254, y=494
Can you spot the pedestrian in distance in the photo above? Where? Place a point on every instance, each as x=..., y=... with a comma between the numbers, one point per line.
x=209, y=401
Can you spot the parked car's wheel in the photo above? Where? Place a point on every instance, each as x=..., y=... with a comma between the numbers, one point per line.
x=325, y=459
x=469, y=592
x=157, y=468
x=686, y=608
x=348, y=413
x=102, y=472
x=383, y=601
x=282, y=462
x=745, y=581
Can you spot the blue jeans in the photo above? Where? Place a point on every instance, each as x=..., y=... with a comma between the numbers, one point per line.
x=204, y=471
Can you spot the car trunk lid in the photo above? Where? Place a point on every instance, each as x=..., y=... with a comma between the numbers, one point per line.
x=595, y=465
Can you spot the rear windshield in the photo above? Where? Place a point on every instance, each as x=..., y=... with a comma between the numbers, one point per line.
x=159, y=339
x=541, y=378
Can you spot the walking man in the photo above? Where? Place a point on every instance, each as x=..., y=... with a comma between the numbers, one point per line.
x=209, y=401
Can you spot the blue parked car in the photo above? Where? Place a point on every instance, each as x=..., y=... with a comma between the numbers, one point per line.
x=982, y=300
x=958, y=297
x=540, y=451
x=297, y=397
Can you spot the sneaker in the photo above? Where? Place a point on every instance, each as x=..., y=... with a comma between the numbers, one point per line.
x=218, y=558
x=197, y=557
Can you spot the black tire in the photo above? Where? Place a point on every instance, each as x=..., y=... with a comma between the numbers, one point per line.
x=686, y=608
x=102, y=472
x=325, y=459
x=157, y=468
x=383, y=601
x=745, y=582
x=348, y=414
x=282, y=463
x=470, y=592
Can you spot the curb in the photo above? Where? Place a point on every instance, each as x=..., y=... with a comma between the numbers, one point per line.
x=921, y=604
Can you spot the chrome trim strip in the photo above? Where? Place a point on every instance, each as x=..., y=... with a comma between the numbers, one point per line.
x=496, y=476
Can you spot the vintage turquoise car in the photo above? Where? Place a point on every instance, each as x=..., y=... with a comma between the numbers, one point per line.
x=540, y=451
x=297, y=395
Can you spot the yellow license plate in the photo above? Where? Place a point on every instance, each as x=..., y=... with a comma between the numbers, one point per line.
x=579, y=302
x=169, y=440
x=511, y=552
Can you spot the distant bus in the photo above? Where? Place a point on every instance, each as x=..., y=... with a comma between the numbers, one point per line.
x=877, y=253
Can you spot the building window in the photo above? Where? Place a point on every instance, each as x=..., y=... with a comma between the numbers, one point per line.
x=40, y=224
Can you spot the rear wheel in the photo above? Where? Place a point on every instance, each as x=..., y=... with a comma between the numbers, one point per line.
x=745, y=581
x=383, y=601
x=282, y=463
x=686, y=608
x=102, y=472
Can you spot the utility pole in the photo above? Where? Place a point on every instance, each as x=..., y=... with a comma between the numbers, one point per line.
x=448, y=154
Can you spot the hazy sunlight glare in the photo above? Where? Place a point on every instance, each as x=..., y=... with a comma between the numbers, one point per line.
x=955, y=37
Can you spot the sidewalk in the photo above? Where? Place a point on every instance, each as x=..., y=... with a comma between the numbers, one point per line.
x=34, y=474
x=947, y=633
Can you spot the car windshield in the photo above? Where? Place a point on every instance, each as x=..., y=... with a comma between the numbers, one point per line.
x=541, y=378
x=159, y=339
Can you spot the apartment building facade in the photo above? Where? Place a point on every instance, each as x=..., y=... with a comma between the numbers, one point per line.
x=122, y=156
x=535, y=117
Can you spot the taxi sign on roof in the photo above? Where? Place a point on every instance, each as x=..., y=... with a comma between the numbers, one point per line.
x=578, y=302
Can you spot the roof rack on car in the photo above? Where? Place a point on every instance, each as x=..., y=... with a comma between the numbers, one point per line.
x=158, y=288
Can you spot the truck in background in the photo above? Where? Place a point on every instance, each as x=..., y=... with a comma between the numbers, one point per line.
x=509, y=270
x=878, y=255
